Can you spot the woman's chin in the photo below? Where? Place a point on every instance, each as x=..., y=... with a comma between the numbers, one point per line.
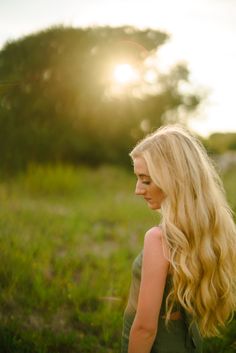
x=152, y=206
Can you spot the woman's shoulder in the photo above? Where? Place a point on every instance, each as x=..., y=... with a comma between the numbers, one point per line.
x=155, y=237
x=154, y=232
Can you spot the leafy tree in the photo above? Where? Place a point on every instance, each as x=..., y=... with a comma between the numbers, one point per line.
x=221, y=142
x=59, y=101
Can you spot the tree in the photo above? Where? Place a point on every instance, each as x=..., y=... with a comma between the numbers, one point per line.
x=60, y=102
x=221, y=142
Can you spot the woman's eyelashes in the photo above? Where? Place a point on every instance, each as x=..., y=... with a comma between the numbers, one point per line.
x=146, y=182
x=143, y=181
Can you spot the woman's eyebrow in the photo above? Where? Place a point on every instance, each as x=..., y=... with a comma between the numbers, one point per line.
x=142, y=175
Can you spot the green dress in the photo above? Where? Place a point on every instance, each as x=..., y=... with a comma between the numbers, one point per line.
x=179, y=337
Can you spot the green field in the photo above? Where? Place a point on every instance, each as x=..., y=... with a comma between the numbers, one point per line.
x=68, y=237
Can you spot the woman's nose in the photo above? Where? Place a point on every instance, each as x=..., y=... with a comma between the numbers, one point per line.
x=139, y=189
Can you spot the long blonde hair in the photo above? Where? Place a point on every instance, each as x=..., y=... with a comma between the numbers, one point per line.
x=197, y=225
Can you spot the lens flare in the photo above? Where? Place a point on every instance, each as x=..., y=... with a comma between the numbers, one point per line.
x=125, y=74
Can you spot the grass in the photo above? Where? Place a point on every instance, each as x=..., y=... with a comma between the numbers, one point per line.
x=68, y=237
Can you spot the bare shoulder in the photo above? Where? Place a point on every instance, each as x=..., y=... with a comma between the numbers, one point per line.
x=154, y=236
x=155, y=241
x=154, y=233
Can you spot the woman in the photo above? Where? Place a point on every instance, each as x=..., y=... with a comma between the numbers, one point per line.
x=183, y=285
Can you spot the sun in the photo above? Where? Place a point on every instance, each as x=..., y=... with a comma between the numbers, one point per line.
x=125, y=74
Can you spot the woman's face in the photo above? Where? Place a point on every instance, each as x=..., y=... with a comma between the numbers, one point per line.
x=145, y=186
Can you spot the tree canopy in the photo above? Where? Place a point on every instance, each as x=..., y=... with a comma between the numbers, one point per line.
x=61, y=102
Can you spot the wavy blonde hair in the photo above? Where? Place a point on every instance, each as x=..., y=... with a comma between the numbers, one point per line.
x=197, y=225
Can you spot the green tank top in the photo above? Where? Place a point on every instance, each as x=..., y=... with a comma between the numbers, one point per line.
x=178, y=337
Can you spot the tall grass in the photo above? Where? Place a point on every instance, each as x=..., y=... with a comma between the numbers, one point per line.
x=68, y=237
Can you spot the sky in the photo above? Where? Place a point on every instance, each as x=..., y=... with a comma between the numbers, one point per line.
x=202, y=34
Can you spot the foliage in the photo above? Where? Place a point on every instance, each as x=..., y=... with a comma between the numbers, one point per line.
x=66, y=256
x=221, y=142
x=59, y=102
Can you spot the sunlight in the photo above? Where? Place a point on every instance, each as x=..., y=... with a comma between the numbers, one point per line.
x=125, y=74
x=150, y=76
x=136, y=81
